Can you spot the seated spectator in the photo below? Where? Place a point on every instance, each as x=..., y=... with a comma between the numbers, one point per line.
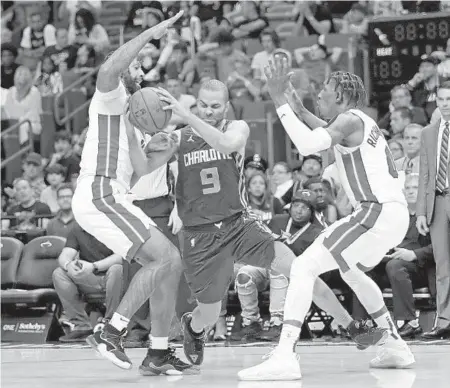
x=35, y=38
x=23, y=101
x=9, y=65
x=313, y=18
x=409, y=266
x=64, y=154
x=86, y=266
x=411, y=140
x=139, y=14
x=325, y=211
x=356, y=21
x=312, y=165
x=400, y=119
x=29, y=213
x=173, y=86
x=424, y=84
x=32, y=172
x=49, y=82
x=401, y=98
x=249, y=22
x=191, y=25
x=283, y=186
x=270, y=41
x=62, y=53
x=63, y=221
x=240, y=83
x=181, y=66
x=253, y=164
x=259, y=197
x=85, y=30
x=55, y=176
x=396, y=148
x=86, y=62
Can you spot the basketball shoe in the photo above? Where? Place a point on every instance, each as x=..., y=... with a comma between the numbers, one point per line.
x=394, y=353
x=108, y=342
x=193, y=343
x=279, y=365
x=165, y=362
x=364, y=335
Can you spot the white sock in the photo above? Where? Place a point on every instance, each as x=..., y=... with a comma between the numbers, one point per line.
x=414, y=323
x=288, y=338
x=159, y=342
x=383, y=319
x=119, y=321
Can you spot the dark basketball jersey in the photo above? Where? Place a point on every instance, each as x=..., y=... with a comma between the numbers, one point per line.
x=210, y=184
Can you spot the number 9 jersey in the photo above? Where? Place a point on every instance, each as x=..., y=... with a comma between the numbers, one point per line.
x=210, y=185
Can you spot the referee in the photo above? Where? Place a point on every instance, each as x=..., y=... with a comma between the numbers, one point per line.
x=152, y=193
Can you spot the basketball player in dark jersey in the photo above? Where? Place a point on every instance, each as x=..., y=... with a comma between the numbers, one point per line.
x=217, y=228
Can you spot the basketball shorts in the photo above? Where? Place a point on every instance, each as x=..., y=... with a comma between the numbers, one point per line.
x=364, y=237
x=100, y=207
x=209, y=253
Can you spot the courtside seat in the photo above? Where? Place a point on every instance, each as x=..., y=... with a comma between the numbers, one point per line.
x=34, y=285
x=11, y=252
x=419, y=293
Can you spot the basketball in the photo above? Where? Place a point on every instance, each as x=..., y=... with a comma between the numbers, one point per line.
x=146, y=111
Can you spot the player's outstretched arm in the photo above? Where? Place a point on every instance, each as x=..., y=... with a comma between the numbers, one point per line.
x=120, y=60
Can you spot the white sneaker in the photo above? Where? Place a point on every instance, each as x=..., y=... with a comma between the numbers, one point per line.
x=281, y=365
x=393, y=354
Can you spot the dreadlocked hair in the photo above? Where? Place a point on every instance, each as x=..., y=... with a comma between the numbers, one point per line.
x=350, y=85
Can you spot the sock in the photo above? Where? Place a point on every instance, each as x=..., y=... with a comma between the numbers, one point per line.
x=383, y=319
x=159, y=342
x=414, y=323
x=196, y=326
x=119, y=321
x=288, y=338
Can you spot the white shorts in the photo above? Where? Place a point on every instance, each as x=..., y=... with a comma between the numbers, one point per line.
x=100, y=207
x=364, y=237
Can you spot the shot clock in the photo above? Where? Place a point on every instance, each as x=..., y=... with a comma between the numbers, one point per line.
x=396, y=45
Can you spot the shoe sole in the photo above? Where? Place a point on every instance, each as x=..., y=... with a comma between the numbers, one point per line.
x=187, y=333
x=291, y=377
x=406, y=365
x=168, y=370
x=101, y=350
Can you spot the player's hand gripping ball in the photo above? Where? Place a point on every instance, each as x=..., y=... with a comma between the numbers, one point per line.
x=146, y=111
x=161, y=142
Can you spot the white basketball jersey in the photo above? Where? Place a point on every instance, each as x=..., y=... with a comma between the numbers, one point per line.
x=106, y=151
x=368, y=172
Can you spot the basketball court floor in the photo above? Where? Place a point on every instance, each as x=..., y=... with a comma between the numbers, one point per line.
x=323, y=365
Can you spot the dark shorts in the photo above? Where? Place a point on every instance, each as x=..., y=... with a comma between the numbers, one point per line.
x=209, y=253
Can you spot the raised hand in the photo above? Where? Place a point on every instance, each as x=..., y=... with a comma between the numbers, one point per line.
x=278, y=78
x=161, y=29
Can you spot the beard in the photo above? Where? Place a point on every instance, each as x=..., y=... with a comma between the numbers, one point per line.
x=130, y=84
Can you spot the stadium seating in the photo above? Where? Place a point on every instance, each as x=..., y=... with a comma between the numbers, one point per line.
x=11, y=252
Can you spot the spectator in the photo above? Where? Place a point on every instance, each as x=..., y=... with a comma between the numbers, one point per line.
x=55, y=176
x=401, y=98
x=433, y=205
x=410, y=163
x=49, y=82
x=63, y=221
x=64, y=155
x=312, y=165
x=253, y=164
x=85, y=63
x=282, y=180
x=385, y=8
x=396, y=148
x=86, y=267
x=140, y=12
x=181, y=66
x=173, y=86
x=29, y=213
x=444, y=67
x=270, y=41
x=85, y=30
x=62, y=54
x=240, y=83
x=23, y=101
x=313, y=19
x=259, y=198
x=249, y=22
x=32, y=172
x=356, y=21
x=325, y=212
x=9, y=65
x=424, y=84
x=400, y=119
x=68, y=9
x=35, y=38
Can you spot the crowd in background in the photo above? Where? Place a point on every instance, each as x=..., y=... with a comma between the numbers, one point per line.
x=59, y=44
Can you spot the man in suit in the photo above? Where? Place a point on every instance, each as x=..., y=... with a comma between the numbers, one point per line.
x=433, y=205
x=410, y=163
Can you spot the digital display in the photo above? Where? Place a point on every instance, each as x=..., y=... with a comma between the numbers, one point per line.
x=396, y=46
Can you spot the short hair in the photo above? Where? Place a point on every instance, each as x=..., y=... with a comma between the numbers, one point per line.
x=285, y=165
x=412, y=126
x=312, y=181
x=350, y=85
x=214, y=85
x=392, y=141
x=273, y=35
x=402, y=88
x=56, y=169
x=65, y=186
x=405, y=113
x=444, y=85
x=21, y=179
x=222, y=36
x=411, y=176
x=63, y=135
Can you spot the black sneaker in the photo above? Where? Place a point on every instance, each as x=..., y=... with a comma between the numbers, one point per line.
x=108, y=342
x=271, y=335
x=247, y=332
x=165, y=362
x=365, y=335
x=193, y=343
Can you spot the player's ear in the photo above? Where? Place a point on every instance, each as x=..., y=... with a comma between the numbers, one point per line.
x=339, y=97
x=227, y=107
